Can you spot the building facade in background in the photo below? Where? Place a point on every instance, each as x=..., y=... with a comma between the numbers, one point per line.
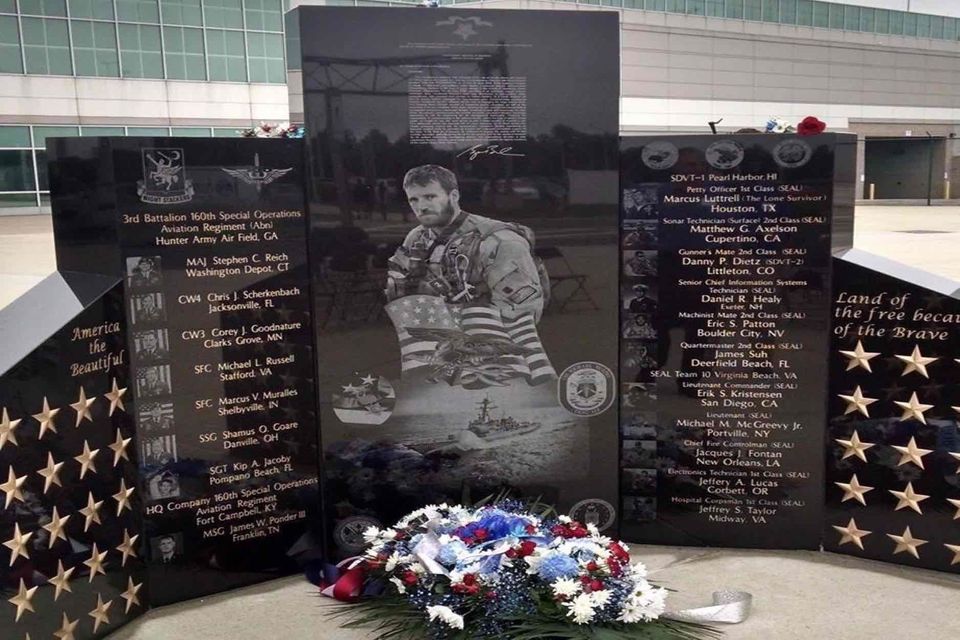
x=888, y=70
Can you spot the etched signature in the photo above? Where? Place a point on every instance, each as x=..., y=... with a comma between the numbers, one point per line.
x=489, y=150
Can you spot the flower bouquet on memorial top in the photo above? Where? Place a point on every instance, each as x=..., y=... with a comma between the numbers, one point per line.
x=501, y=571
x=267, y=130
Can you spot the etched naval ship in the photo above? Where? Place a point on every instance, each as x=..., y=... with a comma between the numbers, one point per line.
x=488, y=428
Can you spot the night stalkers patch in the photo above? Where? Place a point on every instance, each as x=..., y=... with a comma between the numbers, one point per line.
x=586, y=388
x=594, y=511
x=164, y=177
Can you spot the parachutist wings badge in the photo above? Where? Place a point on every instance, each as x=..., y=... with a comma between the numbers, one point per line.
x=257, y=175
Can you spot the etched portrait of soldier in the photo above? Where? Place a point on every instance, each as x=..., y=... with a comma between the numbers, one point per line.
x=143, y=272
x=147, y=308
x=153, y=381
x=151, y=346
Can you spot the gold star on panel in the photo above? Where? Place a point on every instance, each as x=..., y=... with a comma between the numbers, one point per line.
x=65, y=632
x=18, y=544
x=45, y=418
x=8, y=429
x=907, y=542
x=82, y=407
x=913, y=409
x=86, y=459
x=851, y=533
x=908, y=498
x=12, y=487
x=854, y=447
x=956, y=553
x=99, y=614
x=115, y=396
x=22, y=600
x=957, y=457
x=91, y=512
x=123, y=496
x=62, y=580
x=119, y=447
x=50, y=473
x=859, y=358
x=127, y=547
x=916, y=362
x=911, y=453
x=955, y=503
x=95, y=562
x=130, y=595
x=56, y=528
x=853, y=490
x=857, y=402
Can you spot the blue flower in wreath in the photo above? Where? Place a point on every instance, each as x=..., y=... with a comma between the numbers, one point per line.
x=450, y=553
x=496, y=525
x=557, y=565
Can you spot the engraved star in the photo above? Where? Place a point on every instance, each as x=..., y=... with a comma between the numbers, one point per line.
x=911, y=453
x=91, y=512
x=369, y=380
x=18, y=544
x=7, y=429
x=955, y=503
x=915, y=362
x=956, y=553
x=56, y=528
x=854, y=447
x=12, y=487
x=99, y=614
x=913, y=409
x=957, y=457
x=22, y=600
x=349, y=388
x=859, y=358
x=907, y=498
x=851, y=533
x=82, y=407
x=853, y=490
x=907, y=542
x=123, y=497
x=115, y=396
x=45, y=418
x=65, y=632
x=62, y=580
x=857, y=402
x=95, y=563
x=130, y=595
x=119, y=447
x=127, y=547
x=50, y=473
x=86, y=459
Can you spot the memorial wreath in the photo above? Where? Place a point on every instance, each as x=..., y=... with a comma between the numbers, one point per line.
x=506, y=569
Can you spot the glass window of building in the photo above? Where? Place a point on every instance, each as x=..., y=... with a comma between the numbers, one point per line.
x=805, y=12
x=14, y=137
x=265, y=15
x=225, y=55
x=882, y=21
x=40, y=134
x=265, y=52
x=734, y=9
x=16, y=170
x=56, y=8
x=46, y=46
x=101, y=131
x=138, y=11
x=923, y=26
x=10, y=61
x=752, y=10
x=226, y=14
x=788, y=11
x=221, y=132
x=8, y=6
x=184, y=53
x=95, y=48
x=150, y=132
x=140, y=51
x=655, y=5
x=182, y=12
x=191, y=132
x=91, y=9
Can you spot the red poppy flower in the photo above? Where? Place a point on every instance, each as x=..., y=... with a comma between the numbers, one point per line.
x=810, y=126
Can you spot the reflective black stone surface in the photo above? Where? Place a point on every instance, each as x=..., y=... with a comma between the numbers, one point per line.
x=522, y=107
x=726, y=245
x=70, y=523
x=209, y=237
x=893, y=445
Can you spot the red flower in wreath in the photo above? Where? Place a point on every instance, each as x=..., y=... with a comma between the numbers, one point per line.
x=810, y=126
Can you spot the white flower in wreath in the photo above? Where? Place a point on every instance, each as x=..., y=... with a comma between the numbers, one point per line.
x=564, y=519
x=392, y=562
x=371, y=534
x=600, y=598
x=646, y=603
x=446, y=615
x=567, y=587
x=639, y=570
x=581, y=608
x=401, y=588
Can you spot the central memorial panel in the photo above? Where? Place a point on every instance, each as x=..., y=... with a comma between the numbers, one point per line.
x=462, y=195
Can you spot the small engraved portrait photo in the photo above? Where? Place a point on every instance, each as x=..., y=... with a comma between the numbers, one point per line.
x=635, y=394
x=637, y=508
x=151, y=346
x=638, y=453
x=638, y=361
x=638, y=297
x=639, y=427
x=640, y=234
x=640, y=264
x=153, y=381
x=640, y=203
x=147, y=308
x=155, y=417
x=639, y=482
x=143, y=272
x=163, y=484
x=158, y=451
x=167, y=548
x=638, y=326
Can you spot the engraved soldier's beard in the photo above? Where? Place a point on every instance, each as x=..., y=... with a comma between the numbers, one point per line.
x=437, y=219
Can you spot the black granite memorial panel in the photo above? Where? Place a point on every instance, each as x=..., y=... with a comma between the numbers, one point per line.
x=726, y=244
x=209, y=237
x=489, y=361
x=893, y=448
